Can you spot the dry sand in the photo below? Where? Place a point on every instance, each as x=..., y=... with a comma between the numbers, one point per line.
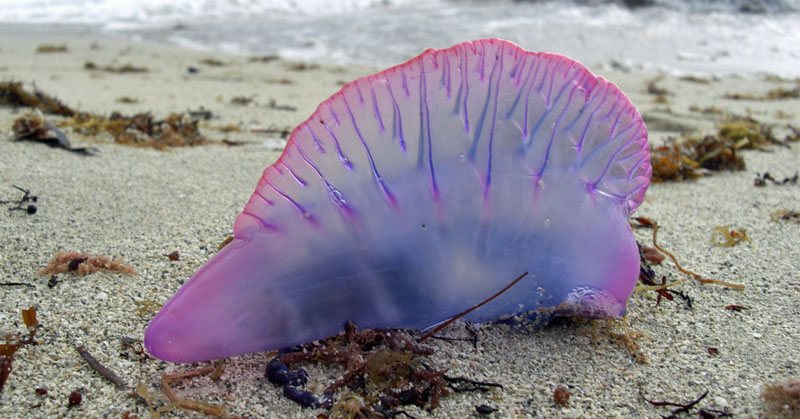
x=140, y=204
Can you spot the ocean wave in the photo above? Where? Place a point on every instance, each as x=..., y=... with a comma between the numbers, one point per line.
x=682, y=36
x=126, y=13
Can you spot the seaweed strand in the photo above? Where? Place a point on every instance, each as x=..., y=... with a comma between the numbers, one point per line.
x=687, y=272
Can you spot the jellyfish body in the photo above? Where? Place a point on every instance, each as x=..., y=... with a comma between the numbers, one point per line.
x=411, y=195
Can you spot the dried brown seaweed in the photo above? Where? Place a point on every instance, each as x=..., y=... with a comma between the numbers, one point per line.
x=782, y=399
x=12, y=94
x=383, y=368
x=211, y=61
x=33, y=127
x=241, y=100
x=725, y=236
x=694, y=157
x=779, y=93
x=273, y=130
x=786, y=215
x=688, y=272
x=696, y=79
x=14, y=341
x=197, y=406
x=82, y=264
x=302, y=66
x=141, y=129
x=48, y=48
x=619, y=332
x=660, y=93
x=125, y=68
x=263, y=58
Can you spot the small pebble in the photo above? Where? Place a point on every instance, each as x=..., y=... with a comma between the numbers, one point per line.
x=101, y=295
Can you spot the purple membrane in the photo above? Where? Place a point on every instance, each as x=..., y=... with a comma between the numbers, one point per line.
x=414, y=194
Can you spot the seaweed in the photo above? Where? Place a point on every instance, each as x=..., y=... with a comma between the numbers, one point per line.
x=197, y=406
x=694, y=157
x=17, y=284
x=225, y=243
x=659, y=92
x=272, y=104
x=148, y=307
x=81, y=264
x=786, y=215
x=126, y=99
x=735, y=307
x=12, y=93
x=382, y=368
x=469, y=310
x=351, y=405
x=283, y=80
x=200, y=113
x=681, y=408
x=48, y=48
x=782, y=399
x=729, y=237
x=664, y=289
x=142, y=129
x=34, y=127
x=210, y=61
x=761, y=180
x=696, y=79
x=100, y=368
x=263, y=58
x=125, y=68
x=228, y=128
x=15, y=341
x=793, y=137
x=618, y=332
x=670, y=164
x=302, y=66
x=241, y=100
x=27, y=197
x=652, y=255
x=472, y=385
x=273, y=130
x=688, y=272
x=136, y=346
x=779, y=93
x=708, y=110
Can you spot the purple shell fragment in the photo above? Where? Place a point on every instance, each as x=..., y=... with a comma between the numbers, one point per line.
x=418, y=192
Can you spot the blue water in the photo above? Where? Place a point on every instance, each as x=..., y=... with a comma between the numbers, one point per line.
x=703, y=37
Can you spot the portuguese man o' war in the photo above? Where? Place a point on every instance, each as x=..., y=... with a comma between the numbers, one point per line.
x=416, y=193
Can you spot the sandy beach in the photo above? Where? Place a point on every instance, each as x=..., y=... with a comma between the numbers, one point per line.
x=141, y=204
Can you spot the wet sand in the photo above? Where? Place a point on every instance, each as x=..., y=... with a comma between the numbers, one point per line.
x=141, y=204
